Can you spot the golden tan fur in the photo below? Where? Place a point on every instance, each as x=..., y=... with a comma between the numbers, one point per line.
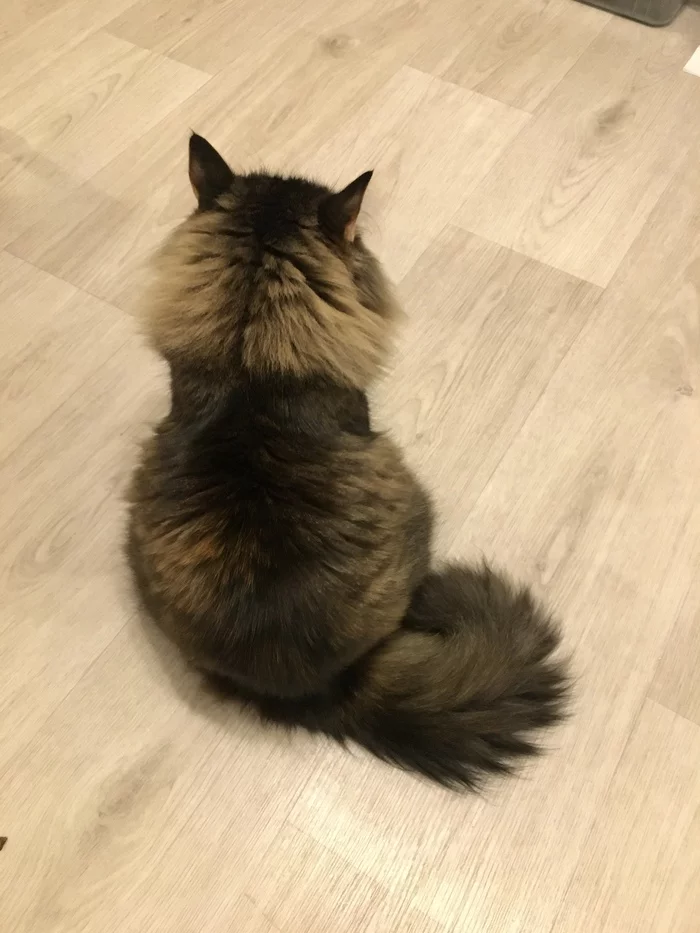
x=288, y=327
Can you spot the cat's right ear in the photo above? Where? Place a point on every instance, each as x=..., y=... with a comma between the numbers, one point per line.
x=338, y=212
x=210, y=176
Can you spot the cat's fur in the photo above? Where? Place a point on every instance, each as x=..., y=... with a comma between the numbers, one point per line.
x=278, y=539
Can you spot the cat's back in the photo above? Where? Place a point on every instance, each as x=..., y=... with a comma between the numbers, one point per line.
x=255, y=494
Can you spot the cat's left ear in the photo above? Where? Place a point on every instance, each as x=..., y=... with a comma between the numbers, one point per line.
x=338, y=213
x=210, y=176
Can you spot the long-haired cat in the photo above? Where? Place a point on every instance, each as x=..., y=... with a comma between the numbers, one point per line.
x=277, y=538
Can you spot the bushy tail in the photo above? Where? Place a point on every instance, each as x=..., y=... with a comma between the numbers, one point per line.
x=460, y=690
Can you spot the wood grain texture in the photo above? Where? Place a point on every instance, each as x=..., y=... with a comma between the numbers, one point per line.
x=24, y=14
x=63, y=124
x=516, y=51
x=209, y=38
x=47, y=326
x=297, y=865
x=537, y=193
x=577, y=186
x=607, y=532
x=676, y=683
x=62, y=572
x=274, y=108
x=206, y=35
x=155, y=788
x=651, y=806
x=514, y=320
x=44, y=38
x=95, y=81
x=395, y=133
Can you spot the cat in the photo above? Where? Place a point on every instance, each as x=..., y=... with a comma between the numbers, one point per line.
x=277, y=538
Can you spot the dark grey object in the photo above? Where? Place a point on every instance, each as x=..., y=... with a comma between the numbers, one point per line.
x=651, y=12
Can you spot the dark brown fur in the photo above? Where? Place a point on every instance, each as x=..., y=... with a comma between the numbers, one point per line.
x=281, y=542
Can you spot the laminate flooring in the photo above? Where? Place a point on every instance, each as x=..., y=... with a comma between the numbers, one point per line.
x=536, y=197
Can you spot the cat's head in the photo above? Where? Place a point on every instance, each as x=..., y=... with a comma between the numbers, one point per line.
x=270, y=276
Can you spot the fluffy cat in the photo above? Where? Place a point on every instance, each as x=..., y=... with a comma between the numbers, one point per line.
x=280, y=541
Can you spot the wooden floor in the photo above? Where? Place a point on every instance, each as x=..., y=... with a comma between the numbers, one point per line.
x=537, y=198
